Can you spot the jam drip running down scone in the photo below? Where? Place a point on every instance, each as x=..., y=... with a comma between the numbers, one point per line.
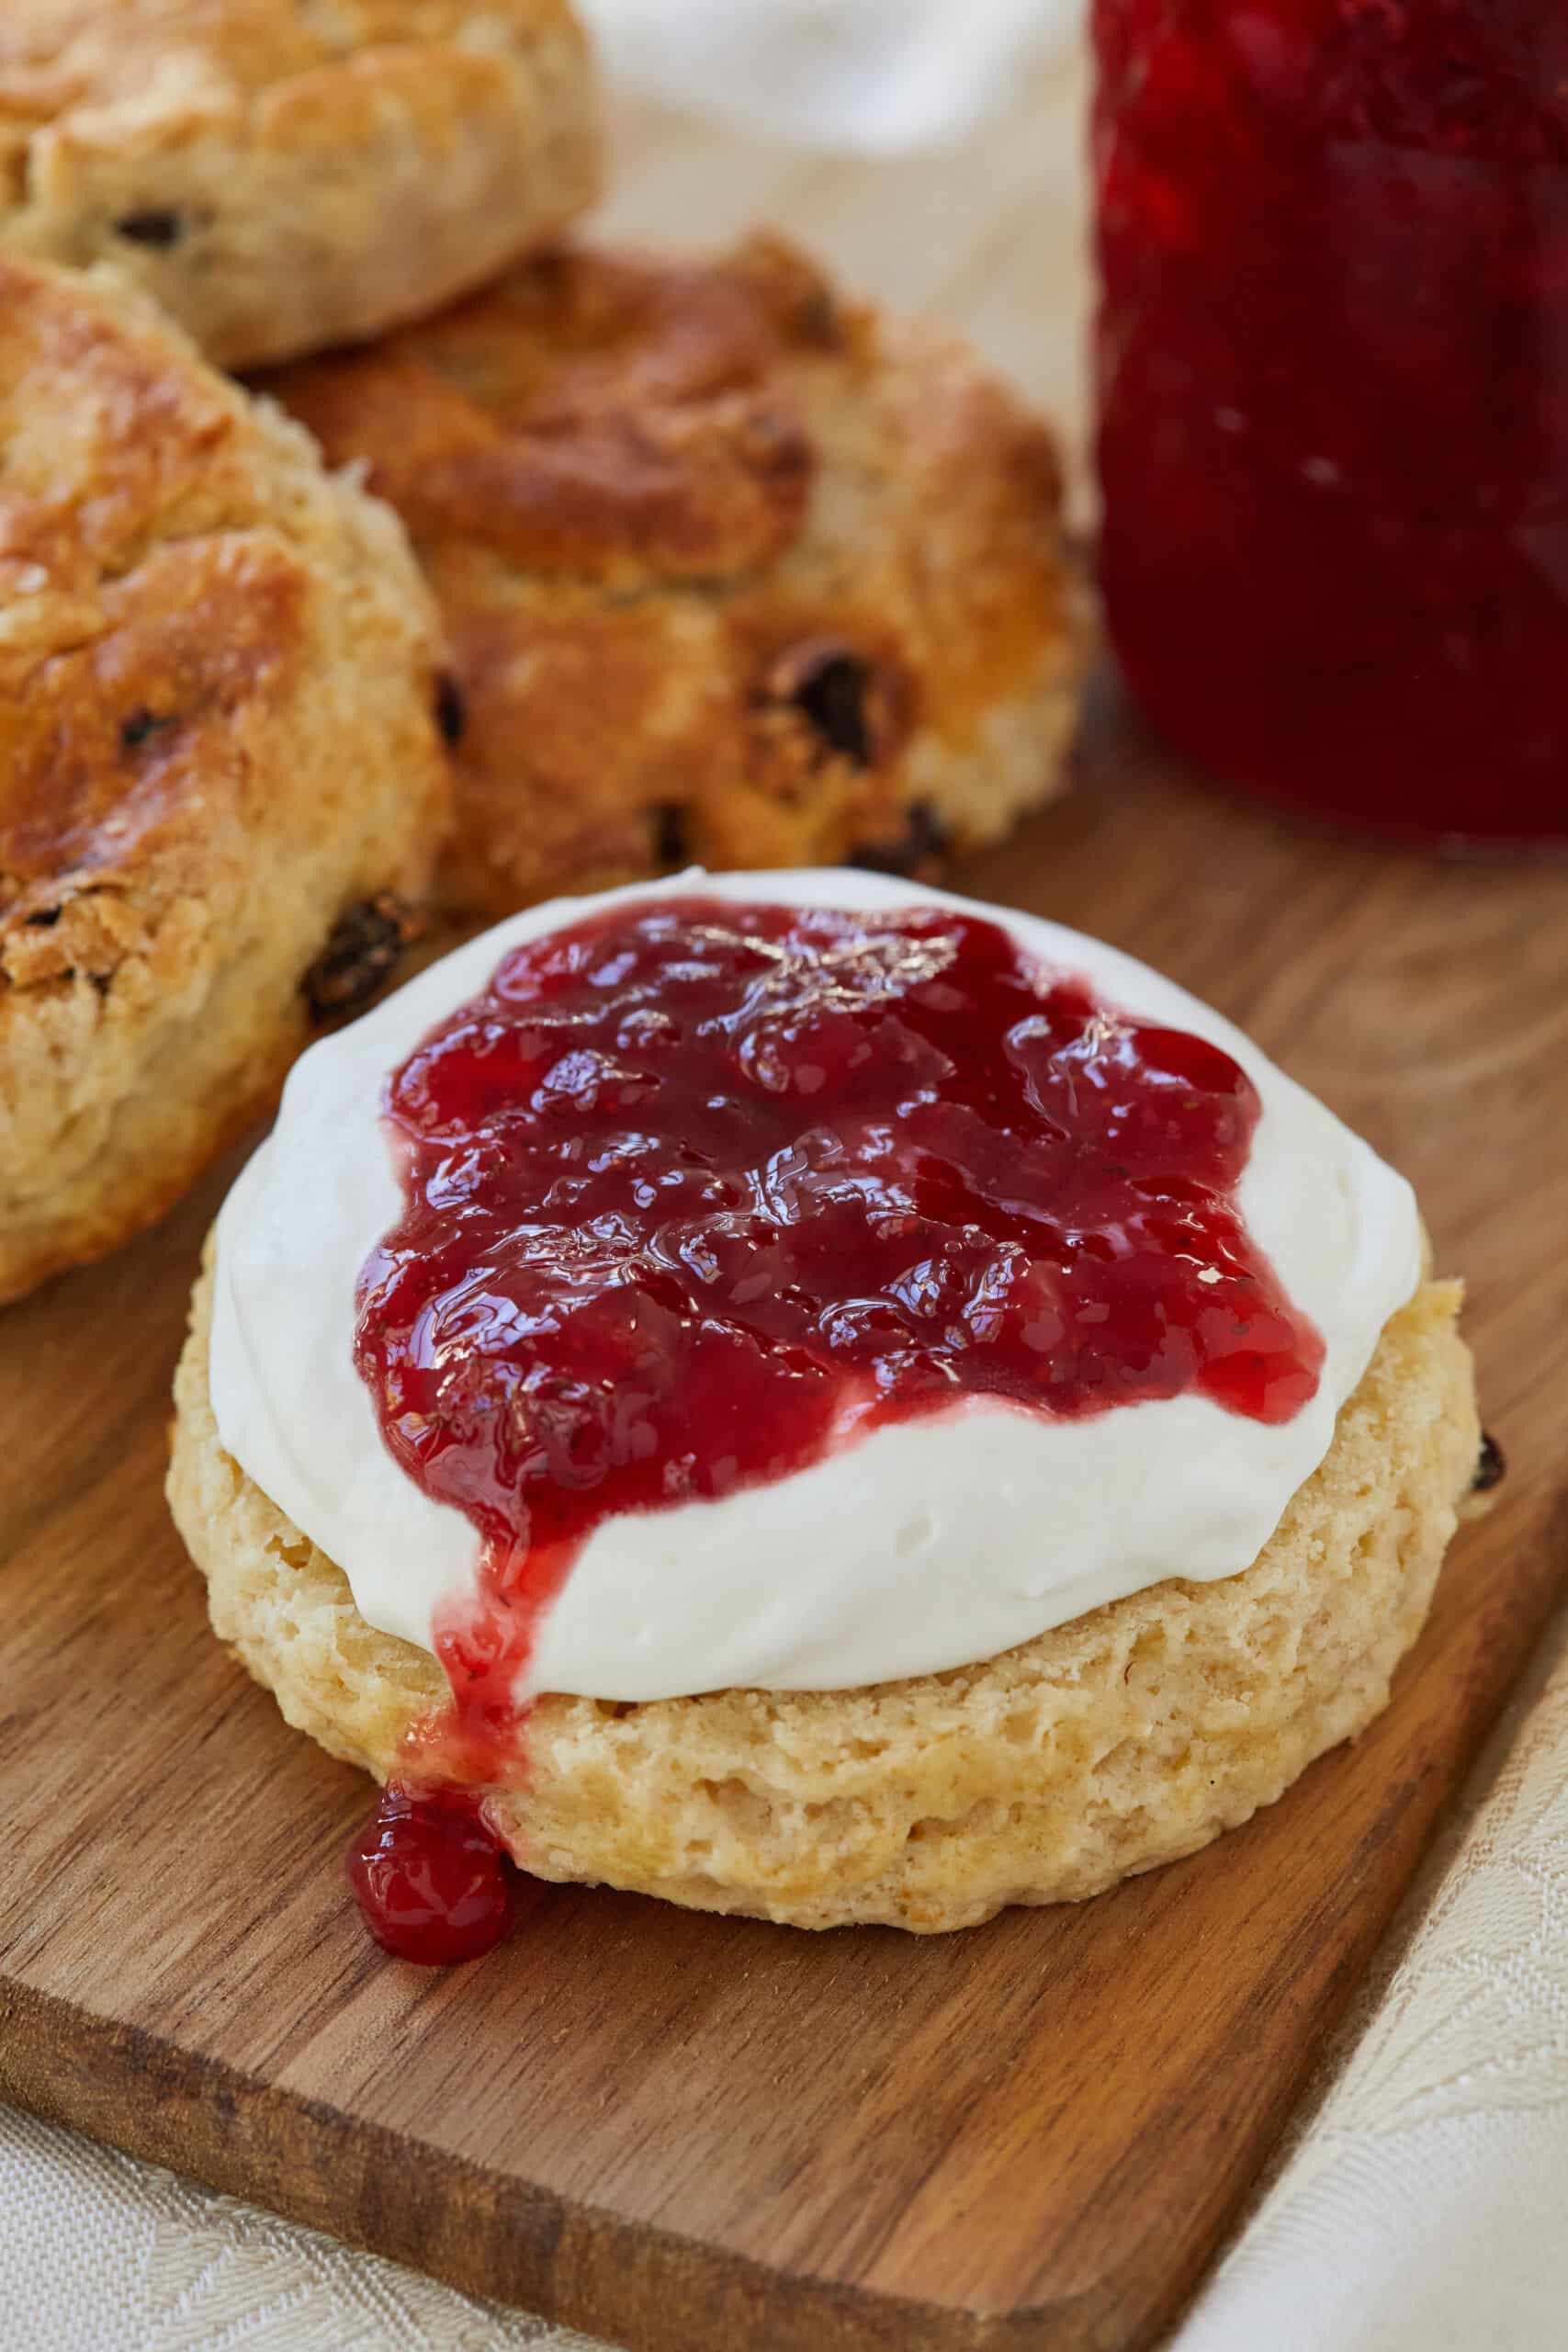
x=734, y=570
x=221, y=778
x=284, y=176
x=694, y=1194
x=803, y=1396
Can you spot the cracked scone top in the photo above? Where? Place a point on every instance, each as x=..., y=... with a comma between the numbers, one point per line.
x=195, y=622
x=736, y=571
x=284, y=176
x=881, y=1653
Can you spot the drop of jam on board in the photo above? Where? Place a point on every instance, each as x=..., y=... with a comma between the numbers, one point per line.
x=694, y=1191
x=431, y=1881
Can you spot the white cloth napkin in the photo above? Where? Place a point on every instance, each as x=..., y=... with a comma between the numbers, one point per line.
x=875, y=75
x=101, y=2254
x=1425, y=2208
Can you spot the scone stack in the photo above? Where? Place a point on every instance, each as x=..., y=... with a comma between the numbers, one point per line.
x=707, y=563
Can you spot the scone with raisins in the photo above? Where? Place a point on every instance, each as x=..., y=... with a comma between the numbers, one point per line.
x=284, y=176
x=221, y=773
x=734, y=570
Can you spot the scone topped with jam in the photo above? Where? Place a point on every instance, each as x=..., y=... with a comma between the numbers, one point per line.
x=803, y=1395
x=735, y=571
x=221, y=780
x=281, y=174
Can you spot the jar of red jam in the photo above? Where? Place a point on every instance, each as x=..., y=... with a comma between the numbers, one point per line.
x=1333, y=369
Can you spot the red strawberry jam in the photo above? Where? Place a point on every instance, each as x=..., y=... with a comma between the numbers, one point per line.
x=1333, y=359
x=695, y=1191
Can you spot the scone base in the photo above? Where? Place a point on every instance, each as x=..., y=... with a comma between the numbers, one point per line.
x=1123, y=1740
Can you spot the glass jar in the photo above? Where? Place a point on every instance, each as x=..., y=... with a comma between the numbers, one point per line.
x=1333, y=369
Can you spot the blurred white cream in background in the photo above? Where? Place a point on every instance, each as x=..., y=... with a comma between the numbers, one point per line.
x=874, y=77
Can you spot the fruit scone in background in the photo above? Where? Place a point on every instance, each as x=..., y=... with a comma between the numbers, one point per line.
x=806, y=1396
x=734, y=569
x=221, y=776
x=283, y=175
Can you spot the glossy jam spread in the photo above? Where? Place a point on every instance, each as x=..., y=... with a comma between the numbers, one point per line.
x=698, y=1190
x=1333, y=359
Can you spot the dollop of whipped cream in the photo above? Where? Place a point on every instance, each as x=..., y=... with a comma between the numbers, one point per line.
x=928, y=1543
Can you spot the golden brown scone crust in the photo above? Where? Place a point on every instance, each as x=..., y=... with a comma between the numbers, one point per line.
x=735, y=571
x=1121, y=1741
x=217, y=736
x=284, y=175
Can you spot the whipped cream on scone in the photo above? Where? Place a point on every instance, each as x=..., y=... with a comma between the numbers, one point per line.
x=917, y=1544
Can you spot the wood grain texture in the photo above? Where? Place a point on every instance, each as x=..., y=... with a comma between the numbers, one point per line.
x=698, y=2135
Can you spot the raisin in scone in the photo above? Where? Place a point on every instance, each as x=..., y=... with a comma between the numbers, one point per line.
x=808, y=1397
x=284, y=175
x=734, y=570
x=221, y=780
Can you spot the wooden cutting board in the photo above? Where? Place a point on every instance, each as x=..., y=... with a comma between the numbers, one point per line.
x=690, y=2134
